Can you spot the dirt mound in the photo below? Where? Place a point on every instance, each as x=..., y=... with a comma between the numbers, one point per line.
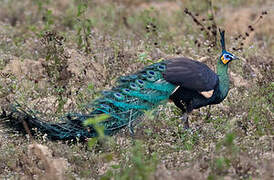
x=25, y=69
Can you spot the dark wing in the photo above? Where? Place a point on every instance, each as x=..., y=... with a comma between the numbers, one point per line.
x=190, y=74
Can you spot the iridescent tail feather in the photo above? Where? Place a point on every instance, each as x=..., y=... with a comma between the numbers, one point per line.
x=125, y=104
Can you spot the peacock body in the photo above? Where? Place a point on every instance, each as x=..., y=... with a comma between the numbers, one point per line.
x=181, y=80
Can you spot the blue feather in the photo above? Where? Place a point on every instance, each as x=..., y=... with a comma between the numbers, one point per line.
x=125, y=104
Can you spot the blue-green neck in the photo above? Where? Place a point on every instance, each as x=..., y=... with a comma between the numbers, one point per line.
x=222, y=72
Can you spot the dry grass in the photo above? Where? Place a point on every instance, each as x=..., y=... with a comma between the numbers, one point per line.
x=85, y=52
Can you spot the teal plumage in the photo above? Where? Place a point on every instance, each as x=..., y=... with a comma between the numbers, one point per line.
x=133, y=95
x=125, y=103
x=180, y=80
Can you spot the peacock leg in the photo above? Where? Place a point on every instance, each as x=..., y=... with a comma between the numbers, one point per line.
x=208, y=113
x=184, y=119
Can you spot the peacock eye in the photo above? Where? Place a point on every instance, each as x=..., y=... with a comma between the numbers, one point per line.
x=161, y=67
x=118, y=94
x=151, y=73
x=140, y=81
x=228, y=57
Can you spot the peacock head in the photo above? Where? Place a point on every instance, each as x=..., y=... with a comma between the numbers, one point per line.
x=226, y=57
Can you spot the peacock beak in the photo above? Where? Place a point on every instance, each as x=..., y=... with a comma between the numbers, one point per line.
x=236, y=58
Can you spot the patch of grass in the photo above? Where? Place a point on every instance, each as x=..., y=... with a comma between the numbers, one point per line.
x=260, y=110
x=139, y=165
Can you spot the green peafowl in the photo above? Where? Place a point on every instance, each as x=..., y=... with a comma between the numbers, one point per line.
x=188, y=83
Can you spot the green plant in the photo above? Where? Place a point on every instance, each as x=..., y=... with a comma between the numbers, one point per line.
x=41, y=4
x=83, y=26
x=226, y=152
x=95, y=123
x=46, y=16
x=138, y=166
x=56, y=65
x=149, y=18
x=189, y=140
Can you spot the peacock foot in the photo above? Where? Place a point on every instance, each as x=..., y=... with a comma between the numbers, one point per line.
x=184, y=119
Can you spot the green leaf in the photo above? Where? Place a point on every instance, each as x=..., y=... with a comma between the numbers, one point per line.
x=229, y=139
x=96, y=120
x=100, y=130
x=220, y=163
x=108, y=157
x=92, y=142
x=90, y=87
x=115, y=166
x=81, y=9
